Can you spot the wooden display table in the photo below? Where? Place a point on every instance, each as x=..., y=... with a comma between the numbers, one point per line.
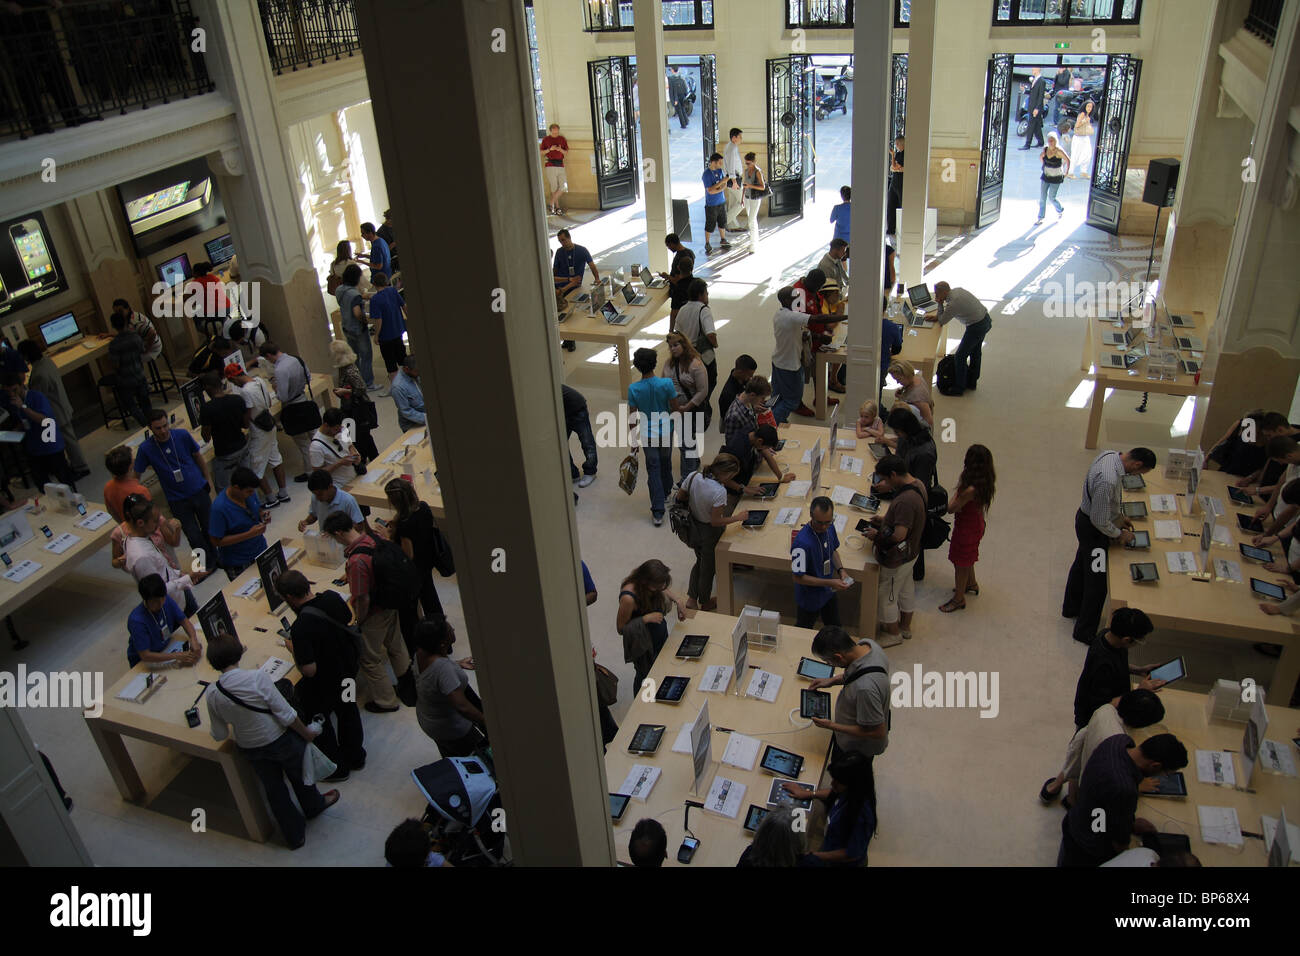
x=769, y=547
x=722, y=839
x=923, y=347
x=14, y=594
x=1133, y=379
x=578, y=325
x=1185, y=718
x=417, y=458
x=1177, y=602
x=91, y=349
x=160, y=719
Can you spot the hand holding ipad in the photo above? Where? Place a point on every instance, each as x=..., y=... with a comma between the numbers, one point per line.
x=1169, y=671
x=1261, y=555
x=814, y=669
x=814, y=703
x=1141, y=541
x=1268, y=589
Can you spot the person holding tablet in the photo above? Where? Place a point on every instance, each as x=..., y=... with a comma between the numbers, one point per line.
x=1284, y=532
x=1284, y=451
x=815, y=563
x=1131, y=711
x=1106, y=670
x=151, y=624
x=1289, y=606
x=897, y=539
x=850, y=811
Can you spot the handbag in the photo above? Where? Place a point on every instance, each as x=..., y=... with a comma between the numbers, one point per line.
x=444, y=562
x=315, y=765
x=264, y=419
x=301, y=416
x=627, y=472
x=606, y=686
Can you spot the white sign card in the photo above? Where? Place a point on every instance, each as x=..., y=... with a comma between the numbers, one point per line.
x=701, y=745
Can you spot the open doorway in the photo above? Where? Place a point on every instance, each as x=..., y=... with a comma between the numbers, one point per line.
x=1104, y=88
x=833, y=123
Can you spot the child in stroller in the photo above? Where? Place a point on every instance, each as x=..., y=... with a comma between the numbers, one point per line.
x=464, y=813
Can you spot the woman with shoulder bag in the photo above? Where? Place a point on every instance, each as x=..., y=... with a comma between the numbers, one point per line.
x=414, y=531
x=446, y=707
x=687, y=372
x=708, y=503
x=354, y=401
x=643, y=602
x=756, y=189
x=268, y=732
x=1056, y=166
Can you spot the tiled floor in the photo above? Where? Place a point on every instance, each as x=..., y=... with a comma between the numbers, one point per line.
x=954, y=788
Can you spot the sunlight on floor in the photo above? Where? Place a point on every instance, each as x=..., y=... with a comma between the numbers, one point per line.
x=1079, y=397
x=1183, y=420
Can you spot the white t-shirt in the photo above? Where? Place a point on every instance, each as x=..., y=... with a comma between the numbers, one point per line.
x=695, y=320
x=731, y=161
x=705, y=494
x=788, y=326
x=325, y=451
x=257, y=396
x=1291, y=474
x=1140, y=856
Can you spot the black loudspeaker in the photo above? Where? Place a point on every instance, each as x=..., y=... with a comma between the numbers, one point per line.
x=682, y=219
x=1162, y=181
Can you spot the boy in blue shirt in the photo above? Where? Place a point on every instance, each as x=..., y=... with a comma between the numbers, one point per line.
x=183, y=476
x=151, y=624
x=386, y=308
x=840, y=215
x=715, y=203
x=654, y=398
x=380, y=257
x=818, y=571
x=238, y=522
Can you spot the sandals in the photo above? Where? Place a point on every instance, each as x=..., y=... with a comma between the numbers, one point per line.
x=1046, y=795
x=951, y=606
x=973, y=589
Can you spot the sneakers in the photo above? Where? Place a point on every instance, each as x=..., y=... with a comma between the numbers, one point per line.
x=805, y=411
x=282, y=494
x=889, y=640
x=657, y=519
x=569, y=345
x=338, y=776
x=376, y=708
x=708, y=249
x=585, y=480
x=376, y=387
x=907, y=635
x=724, y=244
x=271, y=502
x=300, y=478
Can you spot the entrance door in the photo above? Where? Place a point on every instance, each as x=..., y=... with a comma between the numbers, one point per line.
x=790, y=101
x=1114, y=131
x=898, y=98
x=993, y=152
x=613, y=131
x=708, y=104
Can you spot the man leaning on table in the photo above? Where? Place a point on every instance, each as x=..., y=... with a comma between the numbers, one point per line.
x=1097, y=523
x=970, y=312
x=408, y=396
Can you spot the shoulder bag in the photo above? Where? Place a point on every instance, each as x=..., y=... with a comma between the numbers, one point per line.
x=264, y=419
x=304, y=415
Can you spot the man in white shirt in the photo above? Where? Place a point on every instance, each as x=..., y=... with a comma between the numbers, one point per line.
x=788, y=327
x=330, y=452
x=263, y=445
x=695, y=321
x=327, y=498
x=291, y=378
x=734, y=166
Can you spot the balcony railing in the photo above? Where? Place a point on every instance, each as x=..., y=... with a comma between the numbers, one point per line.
x=90, y=58
x=308, y=32
x=1263, y=17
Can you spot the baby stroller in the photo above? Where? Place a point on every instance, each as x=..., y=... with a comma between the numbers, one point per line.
x=462, y=796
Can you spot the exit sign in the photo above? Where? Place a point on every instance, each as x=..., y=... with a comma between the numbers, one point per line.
x=1064, y=45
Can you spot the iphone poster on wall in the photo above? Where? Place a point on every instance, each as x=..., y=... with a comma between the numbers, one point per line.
x=29, y=267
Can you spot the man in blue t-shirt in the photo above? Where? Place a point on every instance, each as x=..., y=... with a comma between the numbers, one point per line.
x=649, y=403
x=327, y=498
x=815, y=563
x=387, y=309
x=841, y=214
x=715, y=203
x=151, y=624
x=380, y=258
x=183, y=475
x=42, y=439
x=571, y=261
x=239, y=522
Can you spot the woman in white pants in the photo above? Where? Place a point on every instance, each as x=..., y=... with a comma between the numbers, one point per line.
x=1081, y=144
x=755, y=189
x=263, y=446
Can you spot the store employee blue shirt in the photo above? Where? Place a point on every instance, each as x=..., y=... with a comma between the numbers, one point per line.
x=145, y=629
x=571, y=262
x=229, y=518
x=381, y=260
x=386, y=307
x=177, y=452
x=817, y=550
x=34, y=442
x=711, y=178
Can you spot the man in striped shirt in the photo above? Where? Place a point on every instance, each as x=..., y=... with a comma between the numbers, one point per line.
x=1099, y=521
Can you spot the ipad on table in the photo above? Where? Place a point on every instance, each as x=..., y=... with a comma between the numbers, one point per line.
x=783, y=763
x=864, y=502
x=1144, y=572
x=1133, y=482
x=1141, y=541
x=814, y=669
x=814, y=703
x=768, y=489
x=672, y=690
x=692, y=645
x=1249, y=523
x=778, y=796
x=1262, y=555
x=647, y=738
x=1134, y=509
x=1240, y=497
x=618, y=805
x=755, y=519
x=1268, y=589
x=754, y=817
x=1171, y=784
x=1170, y=671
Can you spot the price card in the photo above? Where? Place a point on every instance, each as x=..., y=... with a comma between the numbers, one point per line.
x=22, y=571
x=62, y=543
x=95, y=520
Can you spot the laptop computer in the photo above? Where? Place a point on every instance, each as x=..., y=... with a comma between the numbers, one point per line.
x=913, y=319
x=1191, y=343
x=61, y=332
x=597, y=300
x=1190, y=366
x=612, y=315
x=922, y=301
x=651, y=280
x=1181, y=321
x=629, y=294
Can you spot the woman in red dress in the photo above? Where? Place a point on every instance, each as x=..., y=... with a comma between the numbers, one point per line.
x=973, y=497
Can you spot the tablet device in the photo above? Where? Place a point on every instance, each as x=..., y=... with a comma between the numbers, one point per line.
x=1254, y=553
x=783, y=763
x=646, y=739
x=1141, y=541
x=1144, y=571
x=1170, y=671
x=618, y=805
x=1240, y=497
x=878, y=451
x=692, y=645
x=754, y=817
x=1268, y=589
x=768, y=489
x=673, y=689
x=862, y=526
x=1169, y=785
x=779, y=444
x=814, y=703
x=814, y=669
x=1133, y=482
x=755, y=519
x=1173, y=843
x=778, y=797
x=864, y=502
x=1134, y=509
x=1247, y=523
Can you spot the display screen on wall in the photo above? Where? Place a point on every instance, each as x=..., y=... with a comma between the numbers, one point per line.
x=171, y=205
x=29, y=266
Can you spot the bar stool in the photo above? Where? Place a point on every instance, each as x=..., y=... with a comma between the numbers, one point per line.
x=109, y=382
x=156, y=384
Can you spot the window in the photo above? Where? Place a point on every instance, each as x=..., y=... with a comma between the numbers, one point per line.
x=535, y=64
x=600, y=16
x=836, y=14
x=1034, y=13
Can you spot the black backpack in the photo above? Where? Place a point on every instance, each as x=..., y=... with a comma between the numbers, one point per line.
x=946, y=372
x=395, y=582
x=352, y=640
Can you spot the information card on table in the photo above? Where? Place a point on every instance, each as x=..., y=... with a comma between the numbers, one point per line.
x=725, y=797
x=640, y=780
x=62, y=543
x=95, y=520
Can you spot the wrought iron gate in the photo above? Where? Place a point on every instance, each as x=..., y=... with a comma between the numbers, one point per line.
x=613, y=131
x=1114, y=131
x=708, y=104
x=898, y=97
x=993, y=151
x=790, y=158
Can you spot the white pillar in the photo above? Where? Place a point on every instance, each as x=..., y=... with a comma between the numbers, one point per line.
x=916, y=176
x=872, y=46
x=657, y=171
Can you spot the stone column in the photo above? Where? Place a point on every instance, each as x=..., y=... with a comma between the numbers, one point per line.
x=657, y=180
x=110, y=263
x=916, y=178
x=500, y=450
x=872, y=41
